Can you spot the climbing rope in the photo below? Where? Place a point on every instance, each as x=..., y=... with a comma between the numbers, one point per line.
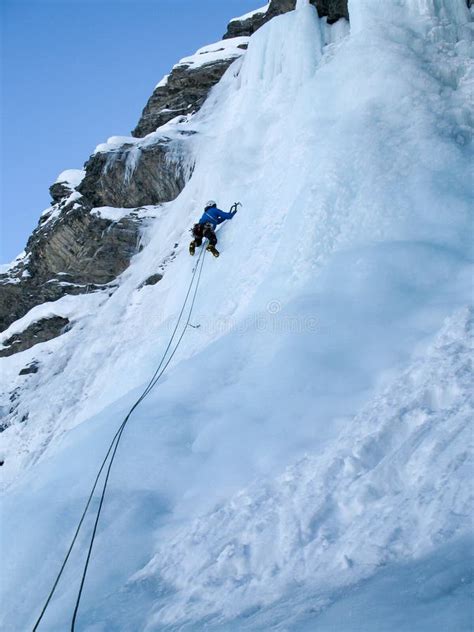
x=112, y=450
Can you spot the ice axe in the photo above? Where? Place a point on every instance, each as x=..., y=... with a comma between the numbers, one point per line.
x=234, y=207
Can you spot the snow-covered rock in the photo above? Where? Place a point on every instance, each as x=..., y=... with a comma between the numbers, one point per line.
x=183, y=91
x=66, y=183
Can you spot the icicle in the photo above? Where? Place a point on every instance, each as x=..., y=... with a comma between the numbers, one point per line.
x=441, y=20
x=110, y=160
x=449, y=14
x=455, y=11
x=369, y=14
x=286, y=53
x=131, y=162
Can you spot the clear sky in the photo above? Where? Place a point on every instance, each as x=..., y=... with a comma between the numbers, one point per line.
x=75, y=72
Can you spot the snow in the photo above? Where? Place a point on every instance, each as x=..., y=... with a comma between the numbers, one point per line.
x=73, y=177
x=332, y=519
x=115, y=214
x=115, y=142
x=223, y=49
x=75, y=195
x=251, y=14
x=8, y=267
x=305, y=463
x=52, y=213
x=169, y=131
x=163, y=82
x=67, y=307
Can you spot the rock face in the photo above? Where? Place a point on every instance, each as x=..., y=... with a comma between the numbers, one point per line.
x=82, y=248
x=184, y=93
x=75, y=253
x=247, y=26
x=132, y=176
x=74, y=249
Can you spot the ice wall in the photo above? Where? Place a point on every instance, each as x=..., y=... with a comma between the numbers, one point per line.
x=370, y=15
x=312, y=433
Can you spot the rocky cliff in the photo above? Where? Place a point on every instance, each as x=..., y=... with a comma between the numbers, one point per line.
x=74, y=249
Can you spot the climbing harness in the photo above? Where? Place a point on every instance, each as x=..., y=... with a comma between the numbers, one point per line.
x=112, y=450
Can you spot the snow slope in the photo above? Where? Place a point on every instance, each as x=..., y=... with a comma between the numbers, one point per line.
x=307, y=453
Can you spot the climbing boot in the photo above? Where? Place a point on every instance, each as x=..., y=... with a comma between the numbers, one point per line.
x=213, y=249
x=192, y=248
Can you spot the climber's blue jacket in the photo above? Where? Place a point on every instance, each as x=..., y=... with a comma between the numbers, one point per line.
x=215, y=216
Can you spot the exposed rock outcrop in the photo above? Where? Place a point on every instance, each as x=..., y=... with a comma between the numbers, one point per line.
x=40, y=331
x=83, y=248
x=74, y=253
x=30, y=369
x=152, y=280
x=246, y=25
x=75, y=249
x=334, y=10
x=66, y=184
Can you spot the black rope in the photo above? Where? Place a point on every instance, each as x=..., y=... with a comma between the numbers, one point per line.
x=115, y=442
x=122, y=428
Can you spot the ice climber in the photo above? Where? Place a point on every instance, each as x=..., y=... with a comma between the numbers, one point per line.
x=205, y=228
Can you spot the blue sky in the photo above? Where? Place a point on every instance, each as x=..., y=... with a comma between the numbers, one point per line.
x=75, y=72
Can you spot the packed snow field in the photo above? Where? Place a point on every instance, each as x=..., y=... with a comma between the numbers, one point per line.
x=306, y=462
